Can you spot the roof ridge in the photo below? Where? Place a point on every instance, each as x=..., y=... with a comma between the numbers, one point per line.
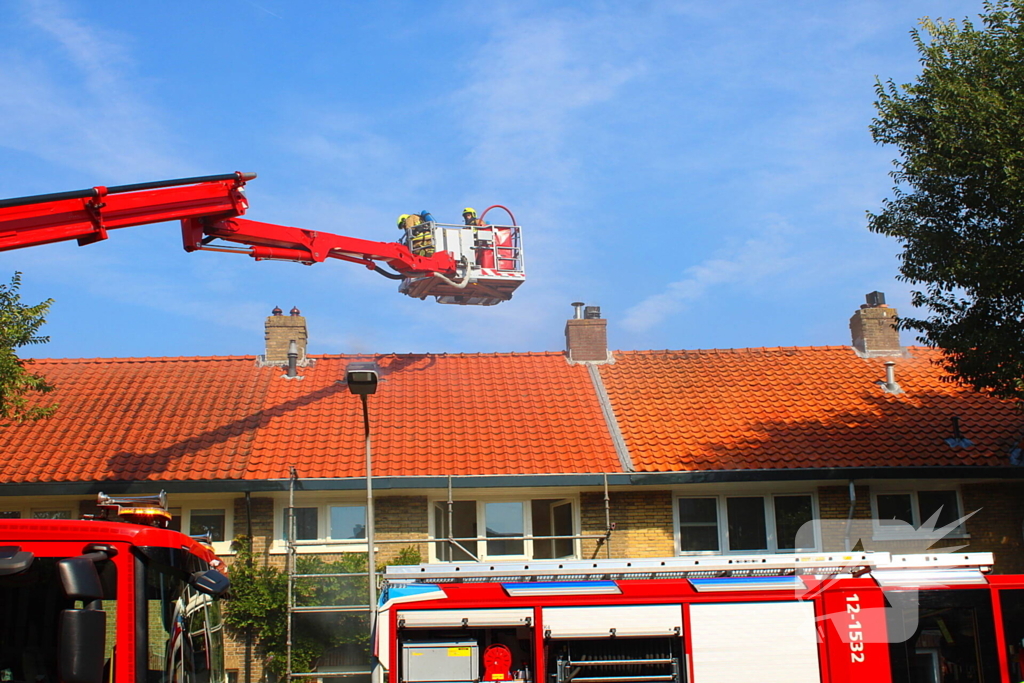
x=139, y=359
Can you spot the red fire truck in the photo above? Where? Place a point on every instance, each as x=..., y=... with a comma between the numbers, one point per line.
x=813, y=618
x=88, y=601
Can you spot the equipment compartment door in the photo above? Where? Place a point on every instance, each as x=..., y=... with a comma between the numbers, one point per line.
x=620, y=621
x=767, y=642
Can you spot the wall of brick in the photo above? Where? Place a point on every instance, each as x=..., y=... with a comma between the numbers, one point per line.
x=398, y=518
x=642, y=519
x=873, y=330
x=279, y=331
x=586, y=339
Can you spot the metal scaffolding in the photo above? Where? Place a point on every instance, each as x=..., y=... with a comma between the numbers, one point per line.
x=373, y=576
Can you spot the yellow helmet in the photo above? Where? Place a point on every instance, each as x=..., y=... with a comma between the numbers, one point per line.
x=401, y=219
x=469, y=210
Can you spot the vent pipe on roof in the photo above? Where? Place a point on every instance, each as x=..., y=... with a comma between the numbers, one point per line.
x=578, y=312
x=293, y=359
x=890, y=385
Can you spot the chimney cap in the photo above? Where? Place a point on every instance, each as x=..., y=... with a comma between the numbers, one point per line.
x=592, y=313
x=294, y=311
x=875, y=299
x=277, y=311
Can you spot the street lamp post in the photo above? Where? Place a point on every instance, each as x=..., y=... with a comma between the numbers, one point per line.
x=362, y=381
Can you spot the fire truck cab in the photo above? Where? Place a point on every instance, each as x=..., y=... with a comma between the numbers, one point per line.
x=88, y=601
x=823, y=618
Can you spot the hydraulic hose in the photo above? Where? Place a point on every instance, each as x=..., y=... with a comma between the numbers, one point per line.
x=498, y=206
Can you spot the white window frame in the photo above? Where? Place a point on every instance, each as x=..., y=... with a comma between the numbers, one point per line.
x=723, y=522
x=323, y=522
x=481, y=526
x=888, y=533
x=219, y=547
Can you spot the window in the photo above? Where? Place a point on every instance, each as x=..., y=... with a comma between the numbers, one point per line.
x=10, y=514
x=541, y=528
x=207, y=522
x=746, y=524
x=326, y=522
x=895, y=510
x=51, y=514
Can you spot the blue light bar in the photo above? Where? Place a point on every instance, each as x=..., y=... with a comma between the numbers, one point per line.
x=562, y=588
x=747, y=583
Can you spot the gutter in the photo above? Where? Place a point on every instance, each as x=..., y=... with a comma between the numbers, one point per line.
x=840, y=475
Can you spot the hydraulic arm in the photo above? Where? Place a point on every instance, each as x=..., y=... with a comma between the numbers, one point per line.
x=208, y=208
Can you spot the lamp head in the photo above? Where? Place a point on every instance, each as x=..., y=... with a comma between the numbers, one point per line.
x=361, y=378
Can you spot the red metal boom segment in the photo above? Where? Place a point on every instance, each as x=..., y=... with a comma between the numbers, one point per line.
x=208, y=208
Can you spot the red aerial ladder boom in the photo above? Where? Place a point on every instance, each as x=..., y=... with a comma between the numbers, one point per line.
x=463, y=269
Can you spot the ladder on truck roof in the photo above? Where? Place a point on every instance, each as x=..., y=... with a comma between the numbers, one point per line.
x=705, y=566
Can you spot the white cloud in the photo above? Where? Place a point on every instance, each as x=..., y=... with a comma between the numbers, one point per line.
x=79, y=110
x=758, y=258
x=529, y=83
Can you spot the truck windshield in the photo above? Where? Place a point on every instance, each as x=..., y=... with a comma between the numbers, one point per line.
x=185, y=631
x=30, y=605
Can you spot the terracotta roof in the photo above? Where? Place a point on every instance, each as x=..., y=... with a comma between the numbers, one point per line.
x=190, y=419
x=799, y=407
x=225, y=418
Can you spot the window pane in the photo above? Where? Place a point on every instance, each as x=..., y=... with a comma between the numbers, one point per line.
x=943, y=502
x=306, y=524
x=694, y=510
x=561, y=525
x=791, y=513
x=348, y=521
x=698, y=524
x=463, y=532
x=51, y=514
x=894, y=508
x=207, y=521
x=175, y=523
x=10, y=514
x=697, y=538
x=746, y=523
x=504, y=520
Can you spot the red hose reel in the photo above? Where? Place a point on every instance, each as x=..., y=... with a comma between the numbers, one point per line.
x=497, y=663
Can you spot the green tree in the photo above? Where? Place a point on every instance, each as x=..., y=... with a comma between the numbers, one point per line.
x=18, y=326
x=958, y=202
x=258, y=605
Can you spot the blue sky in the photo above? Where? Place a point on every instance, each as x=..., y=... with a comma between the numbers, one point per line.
x=699, y=170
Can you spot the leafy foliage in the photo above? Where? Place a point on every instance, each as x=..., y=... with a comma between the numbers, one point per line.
x=958, y=203
x=19, y=324
x=259, y=605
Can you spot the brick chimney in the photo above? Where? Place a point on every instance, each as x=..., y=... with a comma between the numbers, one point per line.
x=281, y=330
x=873, y=328
x=586, y=335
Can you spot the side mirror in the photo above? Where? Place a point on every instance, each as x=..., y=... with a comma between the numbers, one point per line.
x=80, y=579
x=14, y=560
x=211, y=582
x=82, y=638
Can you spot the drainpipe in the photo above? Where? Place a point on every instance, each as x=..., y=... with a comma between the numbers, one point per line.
x=849, y=517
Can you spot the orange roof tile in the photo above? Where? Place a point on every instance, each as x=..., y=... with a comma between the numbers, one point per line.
x=225, y=418
x=799, y=407
x=191, y=419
